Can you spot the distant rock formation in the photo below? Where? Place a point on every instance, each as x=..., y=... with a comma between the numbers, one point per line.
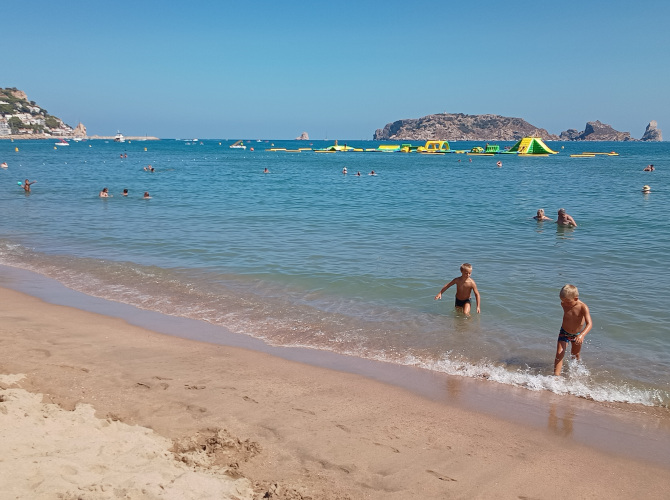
x=461, y=127
x=80, y=131
x=595, y=131
x=652, y=133
x=569, y=135
x=303, y=137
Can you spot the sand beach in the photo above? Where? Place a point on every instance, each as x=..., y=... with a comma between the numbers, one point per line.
x=94, y=407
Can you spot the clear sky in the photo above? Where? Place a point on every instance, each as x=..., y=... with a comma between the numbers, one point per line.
x=338, y=69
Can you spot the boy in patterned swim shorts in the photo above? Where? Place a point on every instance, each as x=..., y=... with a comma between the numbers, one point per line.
x=576, y=324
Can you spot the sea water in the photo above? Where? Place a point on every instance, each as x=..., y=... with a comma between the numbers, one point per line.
x=306, y=256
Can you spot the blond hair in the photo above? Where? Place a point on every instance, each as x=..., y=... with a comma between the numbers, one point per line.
x=466, y=267
x=569, y=292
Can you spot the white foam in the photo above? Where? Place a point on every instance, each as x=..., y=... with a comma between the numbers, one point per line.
x=576, y=380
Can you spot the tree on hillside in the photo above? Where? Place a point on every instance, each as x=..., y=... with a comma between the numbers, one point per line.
x=15, y=124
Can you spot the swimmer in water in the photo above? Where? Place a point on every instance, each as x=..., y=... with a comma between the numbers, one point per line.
x=26, y=185
x=344, y=170
x=146, y=195
x=646, y=189
x=540, y=215
x=104, y=193
x=564, y=219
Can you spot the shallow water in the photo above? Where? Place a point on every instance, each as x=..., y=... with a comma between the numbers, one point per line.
x=306, y=256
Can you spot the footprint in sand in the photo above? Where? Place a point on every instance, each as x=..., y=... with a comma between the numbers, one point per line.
x=441, y=477
x=195, y=387
x=305, y=411
x=394, y=450
x=162, y=385
x=247, y=398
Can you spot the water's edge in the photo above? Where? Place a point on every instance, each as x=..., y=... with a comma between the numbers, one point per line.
x=624, y=429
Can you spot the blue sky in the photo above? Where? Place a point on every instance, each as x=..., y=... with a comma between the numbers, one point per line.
x=341, y=69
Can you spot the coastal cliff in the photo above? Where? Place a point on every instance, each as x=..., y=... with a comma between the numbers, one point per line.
x=461, y=127
x=24, y=119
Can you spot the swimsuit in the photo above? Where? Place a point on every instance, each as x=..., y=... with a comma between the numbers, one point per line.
x=564, y=336
x=461, y=303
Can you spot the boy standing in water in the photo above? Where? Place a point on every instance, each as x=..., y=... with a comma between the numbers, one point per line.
x=576, y=324
x=464, y=286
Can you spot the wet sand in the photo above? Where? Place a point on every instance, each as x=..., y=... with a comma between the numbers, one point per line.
x=250, y=424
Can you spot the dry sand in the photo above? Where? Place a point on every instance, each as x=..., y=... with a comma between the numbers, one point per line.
x=130, y=413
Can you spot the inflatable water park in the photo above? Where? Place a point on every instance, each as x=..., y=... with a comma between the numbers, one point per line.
x=528, y=146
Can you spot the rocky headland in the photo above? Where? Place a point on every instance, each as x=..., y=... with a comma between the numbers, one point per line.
x=462, y=127
x=24, y=119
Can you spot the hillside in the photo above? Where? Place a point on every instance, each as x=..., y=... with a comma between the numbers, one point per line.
x=461, y=127
x=21, y=118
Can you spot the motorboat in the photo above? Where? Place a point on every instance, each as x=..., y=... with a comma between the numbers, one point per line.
x=119, y=137
x=62, y=142
x=238, y=145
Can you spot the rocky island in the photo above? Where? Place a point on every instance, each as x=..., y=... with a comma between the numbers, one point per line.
x=595, y=131
x=462, y=127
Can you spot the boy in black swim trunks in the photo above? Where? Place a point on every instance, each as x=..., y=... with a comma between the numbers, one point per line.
x=464, y=286
x=576, y=324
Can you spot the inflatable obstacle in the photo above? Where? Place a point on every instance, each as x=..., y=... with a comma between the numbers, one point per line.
x=532, y=146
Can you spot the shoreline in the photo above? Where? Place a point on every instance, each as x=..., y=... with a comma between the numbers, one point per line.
x=348, y=427
x=88, y=138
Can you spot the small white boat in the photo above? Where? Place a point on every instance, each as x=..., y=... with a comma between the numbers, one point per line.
x=238, y=145
x=62, y=142
x=119, y=137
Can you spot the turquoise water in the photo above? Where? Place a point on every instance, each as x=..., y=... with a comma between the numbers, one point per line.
x=306, y=256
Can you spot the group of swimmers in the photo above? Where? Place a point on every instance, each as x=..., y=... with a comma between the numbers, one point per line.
x=105, y=193
x=358, y=174
x=563, y=218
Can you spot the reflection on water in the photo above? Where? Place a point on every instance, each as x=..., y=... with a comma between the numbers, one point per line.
x=561, y=419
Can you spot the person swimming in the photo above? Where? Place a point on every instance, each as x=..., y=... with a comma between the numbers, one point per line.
x=540, y=215
x=564, y=219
